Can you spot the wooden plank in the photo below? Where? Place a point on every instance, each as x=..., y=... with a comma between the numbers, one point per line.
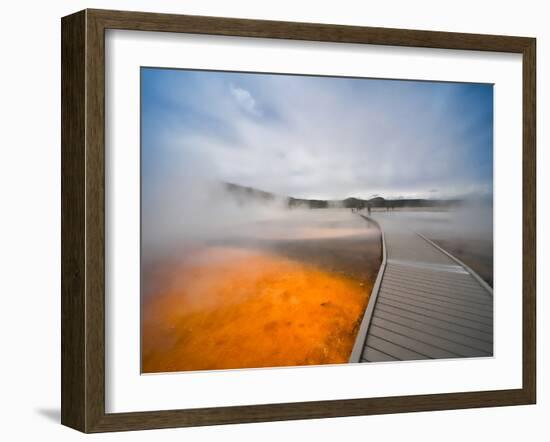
x=409, y=343
x=429, y=289
x=372, y=355
x=441, y=277
x=464, y=282
x=469, y=295
x=474, y=275
x=476, y=294
x=443, y=316
x=457, y=290
x=478, y=335
x=435, y=308
x=416, y=252
x=452, y=270
x=394, y=350
x=434, y=291
x=430, y=301
x=449, y=298
x=451, y=335
x=436, y=263
x=437, y=340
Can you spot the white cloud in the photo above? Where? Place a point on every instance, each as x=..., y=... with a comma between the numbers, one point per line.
x=245, y=100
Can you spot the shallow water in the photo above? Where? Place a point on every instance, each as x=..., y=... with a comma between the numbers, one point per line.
x=279, y=295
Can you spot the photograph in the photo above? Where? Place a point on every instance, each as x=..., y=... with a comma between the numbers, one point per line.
x=305, y=220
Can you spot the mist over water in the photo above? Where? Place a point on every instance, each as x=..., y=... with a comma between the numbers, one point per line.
x=194, y=211
x=471, y=219
x=206, y=213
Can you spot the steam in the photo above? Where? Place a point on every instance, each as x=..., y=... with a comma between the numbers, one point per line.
x=471, y=220
x=202, y=211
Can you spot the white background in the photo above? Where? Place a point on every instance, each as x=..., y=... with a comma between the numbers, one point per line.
x=30, y=231
x=128, y=391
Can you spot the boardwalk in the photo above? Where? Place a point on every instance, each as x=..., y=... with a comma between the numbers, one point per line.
x=425, y=303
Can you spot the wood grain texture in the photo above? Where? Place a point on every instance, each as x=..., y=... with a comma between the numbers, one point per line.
x=145, y=21
x=95, y=221
x=83, y=218
x=529, y=219
x=73, y=128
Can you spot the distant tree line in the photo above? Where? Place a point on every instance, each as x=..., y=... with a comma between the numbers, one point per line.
x=245, y=194
x=377, y=202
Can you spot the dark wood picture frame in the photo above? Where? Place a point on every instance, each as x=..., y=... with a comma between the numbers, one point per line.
x=83, y=220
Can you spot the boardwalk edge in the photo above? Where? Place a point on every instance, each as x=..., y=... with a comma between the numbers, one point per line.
x=361, y=337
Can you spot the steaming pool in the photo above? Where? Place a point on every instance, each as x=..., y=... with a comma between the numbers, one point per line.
x=284, y=290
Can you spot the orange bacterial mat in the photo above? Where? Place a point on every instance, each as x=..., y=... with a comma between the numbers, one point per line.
x=237, y=308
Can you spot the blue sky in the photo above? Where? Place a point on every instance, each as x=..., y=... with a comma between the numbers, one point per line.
x=316, y=137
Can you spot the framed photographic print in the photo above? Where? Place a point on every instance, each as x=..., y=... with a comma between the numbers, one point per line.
x=270, y=220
